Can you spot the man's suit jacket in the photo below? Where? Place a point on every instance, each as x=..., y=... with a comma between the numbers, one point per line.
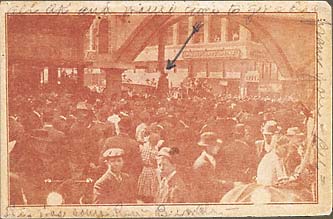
x=205, y=186
x=108, y=190
x=176, y=191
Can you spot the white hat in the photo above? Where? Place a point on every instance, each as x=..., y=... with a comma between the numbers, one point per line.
x=209, y=139
x=271, y=127
x=82, y=106
x=113, y=152
x=293, y=131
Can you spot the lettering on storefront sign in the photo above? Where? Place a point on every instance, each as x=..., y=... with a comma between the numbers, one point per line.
x=233, y=75
x=216, y=74
x=201, y=74
x=90, y=55
x=260, y=55
x=270, y=88
x=224, y=53
x=44, y=52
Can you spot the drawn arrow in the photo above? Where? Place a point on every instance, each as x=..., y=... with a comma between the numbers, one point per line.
x=171, y=64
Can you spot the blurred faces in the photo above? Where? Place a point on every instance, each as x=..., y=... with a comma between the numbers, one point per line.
x=296, y=139
x=268, y=138
x=165, y=166
x=248, y=135
x=116, y=164
x=213, y=150
x=281, y=151
x=82, y=115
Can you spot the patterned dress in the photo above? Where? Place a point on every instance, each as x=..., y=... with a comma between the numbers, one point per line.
x=148, y=181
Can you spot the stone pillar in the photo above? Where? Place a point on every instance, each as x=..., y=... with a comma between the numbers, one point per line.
x=113, y=36
x=113, y=81
x=80, y=76
x=163, y=84
x=206, y=29
x=161, y=53
x=190, y=27
x=244, y=34
x=190, y=70
x=224, y=29
x=175, y=31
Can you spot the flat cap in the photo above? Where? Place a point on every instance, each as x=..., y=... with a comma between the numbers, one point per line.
x=113, y=152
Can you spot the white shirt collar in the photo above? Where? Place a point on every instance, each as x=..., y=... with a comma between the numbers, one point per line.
x=117, y=177
x=210, y=158
x=37, y=113
x=47, y=125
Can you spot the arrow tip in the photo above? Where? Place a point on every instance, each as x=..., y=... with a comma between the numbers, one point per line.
x=170, y=65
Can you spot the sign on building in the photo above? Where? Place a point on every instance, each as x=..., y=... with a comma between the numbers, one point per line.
x=90, y=55
x=273, y=87
x=216, y=74
x=232, y=75
x=252, y=76
x=204, y=54
x=201, y=75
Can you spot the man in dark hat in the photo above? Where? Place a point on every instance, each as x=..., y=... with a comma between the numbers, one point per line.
x=205, y=181
x=115, y=186
x=223, y=124
x=53, y=146
x=83, y=146
x=240, y=161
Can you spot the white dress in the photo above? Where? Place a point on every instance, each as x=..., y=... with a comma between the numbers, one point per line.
x=270, y=169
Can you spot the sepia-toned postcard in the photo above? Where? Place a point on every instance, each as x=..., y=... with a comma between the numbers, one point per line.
x=138, y=109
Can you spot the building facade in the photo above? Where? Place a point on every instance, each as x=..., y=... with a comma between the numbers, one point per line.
x=223, y=52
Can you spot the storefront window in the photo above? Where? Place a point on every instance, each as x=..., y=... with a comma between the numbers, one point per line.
x=199, y=36
x=200, y=69
x=169, y=35
x=44, y=76
x=183, y=30
x=181, y=67
x=214, y=29
x=274, y=72
x=216, y=68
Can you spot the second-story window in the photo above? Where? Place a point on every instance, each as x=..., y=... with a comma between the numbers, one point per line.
x=169, y=35
x=199, y=37
x=214, y=29
x=183, y=30
x=233, y=31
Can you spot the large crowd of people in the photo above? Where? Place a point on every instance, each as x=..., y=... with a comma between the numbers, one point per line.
x=88, y=148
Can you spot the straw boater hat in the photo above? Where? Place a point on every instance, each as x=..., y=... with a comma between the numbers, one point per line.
x=294, y=131
x=113, y=153
x=270, y=128
x=209, y=139
x=82, y=106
